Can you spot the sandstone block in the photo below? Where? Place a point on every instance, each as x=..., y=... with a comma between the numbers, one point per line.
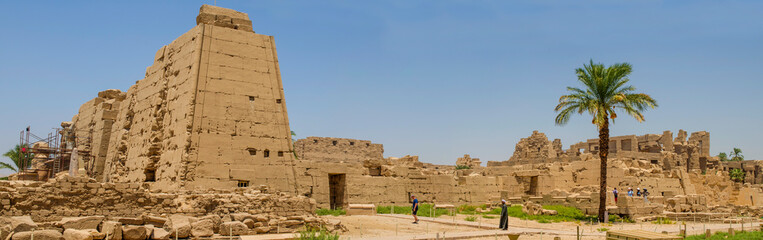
x=249, y=223
x=132, y=232
x=179, y=224
x=113, y=230
x=75, y=234
x=39, y=235
x=202, y=228
x=160, y=234
x=261, y=230
x=216, y=220
x=156, y=221
x=95, y=234
x=18, y=224
x=234, y=228
x=90, y=222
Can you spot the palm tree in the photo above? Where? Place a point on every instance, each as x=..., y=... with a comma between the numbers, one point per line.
x=723, y=157
x=294, y=144
x=736, y=155
x=15, y=157
x=604, y=91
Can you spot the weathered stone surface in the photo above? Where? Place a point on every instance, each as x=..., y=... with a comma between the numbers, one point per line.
x=130, y=221
x=160, y=234
x=249, y=223
x=261, y=230
x=113, y=230
x=468, y=161
x=75, y=234
x=38, y=235
x=18, y=224
x=216, y=221
x=202, y=228
x=234, y=228
x=156, y=221
x=179, y=224
x=90, y=222
x=95, y=234
x=132, y=232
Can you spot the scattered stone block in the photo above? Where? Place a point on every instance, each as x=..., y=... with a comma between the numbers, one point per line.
x=75, y=234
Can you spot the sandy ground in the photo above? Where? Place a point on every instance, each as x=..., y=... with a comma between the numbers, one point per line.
x=379, y=226
x=401, y=227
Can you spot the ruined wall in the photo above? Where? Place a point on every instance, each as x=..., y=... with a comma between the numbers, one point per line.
x=337, y=149
x=468, y=161
x=240, y=129
x=93, y=127
x=535, y=147
x=210, y=112
x=77, y=196
x=151, y=137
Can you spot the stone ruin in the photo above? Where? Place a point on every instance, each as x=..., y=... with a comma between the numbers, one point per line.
x=205, y=136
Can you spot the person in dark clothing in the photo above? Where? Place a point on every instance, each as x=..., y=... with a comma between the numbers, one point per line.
x=645, y=194
x=615, y=192
x=415, y=209
x=504, y=222
x=638, y=192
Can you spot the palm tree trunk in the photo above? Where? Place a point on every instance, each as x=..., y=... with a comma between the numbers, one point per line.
x=603, y=152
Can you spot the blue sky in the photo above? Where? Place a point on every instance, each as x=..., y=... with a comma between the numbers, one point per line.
x=437, y=79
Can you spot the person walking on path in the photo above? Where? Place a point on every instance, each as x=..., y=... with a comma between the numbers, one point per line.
x=630, y=192
x=638, y=192
x=615, y=192
x=504, y=222
x=415, y=209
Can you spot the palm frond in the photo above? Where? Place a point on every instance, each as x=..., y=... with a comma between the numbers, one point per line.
x=605, y=90
x=7, y=166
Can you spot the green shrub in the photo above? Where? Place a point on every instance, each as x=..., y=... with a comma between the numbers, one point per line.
x=3, y=178
x=617, y=219
x=488, y=217
x=663, y=221
x=424, y=210
x=494, y=211
x=459, y=167
x=544, y=221
x=334, y=212
x=564, y=214
x=467, y=209
x=317, y=235
x=470, y=218
x=738, y=235
x=602, y=229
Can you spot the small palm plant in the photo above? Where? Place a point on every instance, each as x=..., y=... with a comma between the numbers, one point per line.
x=18, y=158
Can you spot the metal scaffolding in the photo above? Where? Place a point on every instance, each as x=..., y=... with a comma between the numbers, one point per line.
x=40, y=161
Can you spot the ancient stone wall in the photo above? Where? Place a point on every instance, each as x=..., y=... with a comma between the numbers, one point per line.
x=93, y=128
x=338, y=149
x=77, y=196
x=210, y=112
x=468, y=161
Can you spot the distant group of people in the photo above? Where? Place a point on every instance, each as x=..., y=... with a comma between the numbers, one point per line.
x=639, y=193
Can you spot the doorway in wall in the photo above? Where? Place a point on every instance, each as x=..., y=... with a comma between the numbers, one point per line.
x=337, y=190
x=533, y=189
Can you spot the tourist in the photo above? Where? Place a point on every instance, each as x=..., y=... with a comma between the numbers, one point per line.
x=638, y=192
x=415, y=209
x=630, y=192
x=645, y=194
x=615, y=192
x=504, y=222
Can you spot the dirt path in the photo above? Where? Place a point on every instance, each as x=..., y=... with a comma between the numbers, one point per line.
x=396, y=226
